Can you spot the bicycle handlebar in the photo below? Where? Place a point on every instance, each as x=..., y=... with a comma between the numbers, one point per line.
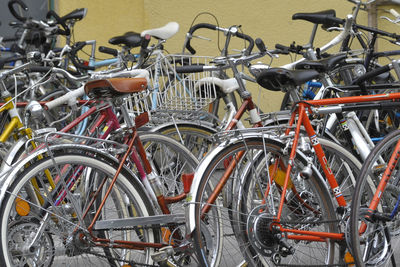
x=192, y=30
x=248, y=39
x=290, y=49
x=394, y=13
x=66, y=30
x=228, y=31
x=14, y=13
x=190, y=69
x=108, y=50
x=222, y=63
x=78, y=46
x=70, y=96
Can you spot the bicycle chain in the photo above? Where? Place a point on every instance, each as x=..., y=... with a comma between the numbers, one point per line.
x=317, y=222
x=130, y=262
x=311, y=222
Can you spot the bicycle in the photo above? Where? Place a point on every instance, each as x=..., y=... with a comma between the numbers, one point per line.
x=142, y=195
x=271, y=196
x=374, y=214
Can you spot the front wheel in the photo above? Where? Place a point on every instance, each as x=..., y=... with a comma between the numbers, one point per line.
x=46, y=225
x=375, y=232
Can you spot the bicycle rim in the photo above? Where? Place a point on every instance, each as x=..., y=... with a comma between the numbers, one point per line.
x=222, y=236
x=31, y=206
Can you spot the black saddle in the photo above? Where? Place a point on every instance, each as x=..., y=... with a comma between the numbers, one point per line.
x=322, y=65
x=129, y=39
x=278, y=79
x=327, y=18
x=77, y=14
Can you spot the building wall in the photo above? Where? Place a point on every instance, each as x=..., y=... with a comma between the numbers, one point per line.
x=267, y=19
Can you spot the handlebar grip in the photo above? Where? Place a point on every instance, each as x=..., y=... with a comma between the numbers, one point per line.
x=371, y=74
x=13, y=12
x=249, y=39
x=279, y=51
x=107, y=50
x=189, y=69
x=193, y=29
x=260, y=45
x=282, y=47
x=70, y=96
x=288, y=49
x=394, y=13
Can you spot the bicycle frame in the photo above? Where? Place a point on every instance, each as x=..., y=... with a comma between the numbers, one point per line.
x=300, y=117
x=303, y=120
x=137, y=154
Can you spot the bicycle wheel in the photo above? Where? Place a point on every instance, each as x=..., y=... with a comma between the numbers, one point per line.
x=44, y=226
x=169, y=160
x=194, y=137
x=226, y=235
x=375, y=234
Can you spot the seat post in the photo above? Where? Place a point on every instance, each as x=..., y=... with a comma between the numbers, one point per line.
x=129, y=122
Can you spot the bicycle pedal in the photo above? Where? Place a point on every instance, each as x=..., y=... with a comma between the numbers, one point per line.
x=161, y=257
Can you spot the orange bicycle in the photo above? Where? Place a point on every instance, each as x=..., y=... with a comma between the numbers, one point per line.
x=279, y=195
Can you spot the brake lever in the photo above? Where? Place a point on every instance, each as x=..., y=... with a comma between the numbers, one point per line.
x=396, y=21
x=331, y=29
x=201, y=37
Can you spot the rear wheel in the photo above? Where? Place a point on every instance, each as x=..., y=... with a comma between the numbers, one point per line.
x=235, y=230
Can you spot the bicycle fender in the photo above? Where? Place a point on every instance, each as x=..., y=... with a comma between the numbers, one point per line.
x=246, y=134
x=8, y=176
x=201, y=124
x=12, y=153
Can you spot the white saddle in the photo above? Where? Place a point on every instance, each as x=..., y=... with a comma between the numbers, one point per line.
x=165, y=32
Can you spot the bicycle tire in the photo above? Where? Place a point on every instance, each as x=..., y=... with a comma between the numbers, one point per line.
x=380, y=251
x=65, y=226
x=217, y=254
x=195, y=137
x=169, y=160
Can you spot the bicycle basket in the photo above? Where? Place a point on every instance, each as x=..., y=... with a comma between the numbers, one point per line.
x=138, y=103
x=172, y=91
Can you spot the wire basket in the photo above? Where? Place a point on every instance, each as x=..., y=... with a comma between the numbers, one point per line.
x=138, y=103
x=172, y=91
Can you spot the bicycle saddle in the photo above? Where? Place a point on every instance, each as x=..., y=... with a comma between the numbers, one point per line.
x=77, y=14
x=114, y=87
x=326, y=17
x=165, y=32
x=279, y=79
x=130, y=39
x=324, y=64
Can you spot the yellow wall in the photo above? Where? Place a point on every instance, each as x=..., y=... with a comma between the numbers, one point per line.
x=267, y=19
